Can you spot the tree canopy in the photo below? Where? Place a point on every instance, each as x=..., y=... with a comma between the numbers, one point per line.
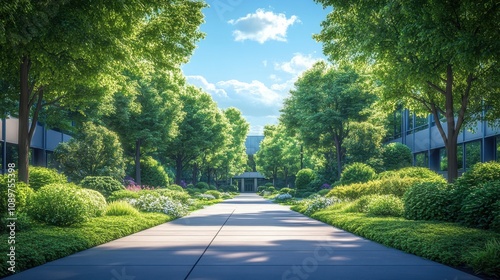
x=66, y=53
x=323, y=104
x=437, y=57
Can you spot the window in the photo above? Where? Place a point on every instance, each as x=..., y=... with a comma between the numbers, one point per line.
x=444, y=159
x=422, y=159
x=498, y=148
x=472, y=153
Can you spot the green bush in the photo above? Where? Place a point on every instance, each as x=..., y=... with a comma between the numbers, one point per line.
x=323, y=192
x=385, y=205
x=304, y=177
x=479, y=174
x=23, y=223
x=357, y=173
x=393, y=185
x=288, y=191
x=63, y=205
x=41, y=176
x=396, y=156
x=261, y=188
x=181, y=196
x=121, y=208
x=23, y=194
x=201, y=185
x=428, y=201
x=123, y=195
x=95, y=151
x=421, y=173
x=95, y=202
x=215, y=193
x=487, y=259
x=106, y=185
x=231, y=188
x=152, y=173
x=361, y=204
x=175, y=187
x=480, y=207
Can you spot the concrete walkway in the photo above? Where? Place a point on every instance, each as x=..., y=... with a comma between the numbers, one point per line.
x=243, y=238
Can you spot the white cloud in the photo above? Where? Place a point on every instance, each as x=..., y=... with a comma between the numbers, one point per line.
x=262, y=26
x=201, y=82
x=297, y=64
x=255, y=92
x=264, y=62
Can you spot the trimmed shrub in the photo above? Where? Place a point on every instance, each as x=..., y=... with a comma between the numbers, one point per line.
x=41, y=176
x=152, y=173
x=261, y=188
x=215, y=193
x=106, y=185
x=428, y=201
x=395, y=186
x=95, y=202
x=479, y=174
x=123, y=195
x=361, y=204
x=288, y=191
x=175, y=188
x=60, y=205
x=23, y=223
x=231, y=188
x=396, y=156
x=121, y=208
x=23, y=194
x=201, y=185
x=421, y=173
x=357, y=173
x=385, y=205
x=304, y=177
x=481, y=205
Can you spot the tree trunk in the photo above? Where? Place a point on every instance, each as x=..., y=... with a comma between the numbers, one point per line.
x=452, y=135
x=24, y=118
x=178, y=170
x=194, y=177
x=138, y=162
x=338, y=148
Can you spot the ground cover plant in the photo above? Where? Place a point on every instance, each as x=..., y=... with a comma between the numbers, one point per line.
x=417, y=211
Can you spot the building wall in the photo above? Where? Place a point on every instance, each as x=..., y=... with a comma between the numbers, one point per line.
x=252, y=143
x=478, y=143
x=43, y=143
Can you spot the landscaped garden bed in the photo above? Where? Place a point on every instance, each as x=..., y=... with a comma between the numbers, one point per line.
x=415, y=210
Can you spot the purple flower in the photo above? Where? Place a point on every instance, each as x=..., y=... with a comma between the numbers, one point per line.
x=325, y=186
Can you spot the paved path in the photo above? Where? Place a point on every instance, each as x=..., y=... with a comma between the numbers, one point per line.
x=243, y=238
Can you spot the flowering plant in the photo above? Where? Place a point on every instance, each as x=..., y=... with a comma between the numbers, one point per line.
x=325, y=186
x=317, y=203
x=283, y=196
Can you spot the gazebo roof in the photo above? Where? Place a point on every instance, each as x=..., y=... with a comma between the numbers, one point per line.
x=250, y=175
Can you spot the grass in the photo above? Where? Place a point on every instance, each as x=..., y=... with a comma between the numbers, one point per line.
x=447, y=243
x=43, y=243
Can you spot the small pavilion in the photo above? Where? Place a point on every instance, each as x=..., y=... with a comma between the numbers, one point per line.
x=248, y=181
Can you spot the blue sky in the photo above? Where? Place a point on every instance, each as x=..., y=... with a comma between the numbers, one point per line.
x=253, y=53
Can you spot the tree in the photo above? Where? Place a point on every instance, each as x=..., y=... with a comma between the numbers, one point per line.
x=95, y=151
x=364, y=144
x=279, y=154
x=437, y=57
x=268, y=157
x=64, y=53
x=323, y=104
x=197, y=132
x=234, y=157
x=146, y=112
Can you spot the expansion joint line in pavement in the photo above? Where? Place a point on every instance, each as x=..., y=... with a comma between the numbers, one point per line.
x=198, y=260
